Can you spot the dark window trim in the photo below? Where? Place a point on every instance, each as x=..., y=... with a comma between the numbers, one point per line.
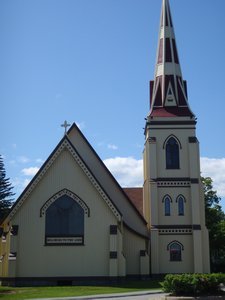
x=167, y=208
x=172, y=151
x=53, y=237
x=179, y=255
x=179, y=197
x=61, y=193
x=168, y=138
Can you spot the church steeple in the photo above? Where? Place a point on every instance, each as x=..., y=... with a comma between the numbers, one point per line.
x=168, y=91
x=173, y=198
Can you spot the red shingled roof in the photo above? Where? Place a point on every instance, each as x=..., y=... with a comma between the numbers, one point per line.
x=136, y=197
x=171, y=112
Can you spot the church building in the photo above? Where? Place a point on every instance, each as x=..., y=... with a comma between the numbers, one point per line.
x=75, y=222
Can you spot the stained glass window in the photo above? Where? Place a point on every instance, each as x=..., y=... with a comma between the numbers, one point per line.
x=175, y=251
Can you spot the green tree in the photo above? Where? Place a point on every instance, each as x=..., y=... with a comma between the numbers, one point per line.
x=6, y=193
x=215, y=222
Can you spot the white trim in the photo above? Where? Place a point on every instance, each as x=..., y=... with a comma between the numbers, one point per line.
x=170, y=99
x=42, y=172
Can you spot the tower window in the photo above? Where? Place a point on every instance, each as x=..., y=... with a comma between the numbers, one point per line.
x=180, y=202
x=172, y=154
x=167, y=200
x=175, y=249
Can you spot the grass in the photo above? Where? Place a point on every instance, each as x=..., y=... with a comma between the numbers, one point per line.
x=16, y=293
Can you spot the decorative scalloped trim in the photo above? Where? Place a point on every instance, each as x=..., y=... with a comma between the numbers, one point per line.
x=60, y=194
x=40, y=175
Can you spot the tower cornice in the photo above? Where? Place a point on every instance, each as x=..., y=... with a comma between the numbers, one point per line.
x=168, y=122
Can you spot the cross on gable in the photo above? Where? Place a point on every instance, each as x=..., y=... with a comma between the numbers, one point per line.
x=65, y=125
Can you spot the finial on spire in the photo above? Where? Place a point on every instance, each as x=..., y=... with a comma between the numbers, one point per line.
x=65, y=125
x=168, y=96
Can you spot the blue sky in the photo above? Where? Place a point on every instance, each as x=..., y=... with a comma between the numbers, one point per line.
x=90, y=62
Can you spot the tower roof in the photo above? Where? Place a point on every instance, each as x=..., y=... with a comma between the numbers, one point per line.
x=168, y=91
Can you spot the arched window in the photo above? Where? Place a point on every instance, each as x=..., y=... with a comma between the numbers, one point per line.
x=175, y=248
x=64, y=222
x=180, y=201
x=172, y=154
x=167, y=200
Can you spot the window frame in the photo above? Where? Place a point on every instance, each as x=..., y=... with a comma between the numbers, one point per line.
x=79, y=208
x=175, y=257
x=180, y=205
x=167, y=207
x=172, y=152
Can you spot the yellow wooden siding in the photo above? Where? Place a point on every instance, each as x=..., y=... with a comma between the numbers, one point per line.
x=36, y=259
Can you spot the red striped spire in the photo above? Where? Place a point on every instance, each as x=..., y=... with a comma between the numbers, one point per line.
x=168, y=95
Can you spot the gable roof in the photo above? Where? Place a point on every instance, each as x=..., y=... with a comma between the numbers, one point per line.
x=64, y=143
x=131, y=215
x=94, y=168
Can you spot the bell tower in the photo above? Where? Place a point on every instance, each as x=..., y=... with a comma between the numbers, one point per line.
x=173, y=193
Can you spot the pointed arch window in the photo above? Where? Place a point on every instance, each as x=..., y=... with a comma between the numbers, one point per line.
x=64, y=223
x=172, y=154
x=167, y=200
x=180, y=201
x=175, y=249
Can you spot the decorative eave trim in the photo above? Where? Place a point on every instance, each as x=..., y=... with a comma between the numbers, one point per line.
x=159, y=179
x=64, y=144
x=109, y=173
x=175, y=182
x=192, y=226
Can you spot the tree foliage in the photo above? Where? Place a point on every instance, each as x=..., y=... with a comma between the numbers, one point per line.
x=215, y=222
x=6, y=193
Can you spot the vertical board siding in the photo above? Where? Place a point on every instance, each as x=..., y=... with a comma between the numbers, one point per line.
x=34, y=258
x=133, y=244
